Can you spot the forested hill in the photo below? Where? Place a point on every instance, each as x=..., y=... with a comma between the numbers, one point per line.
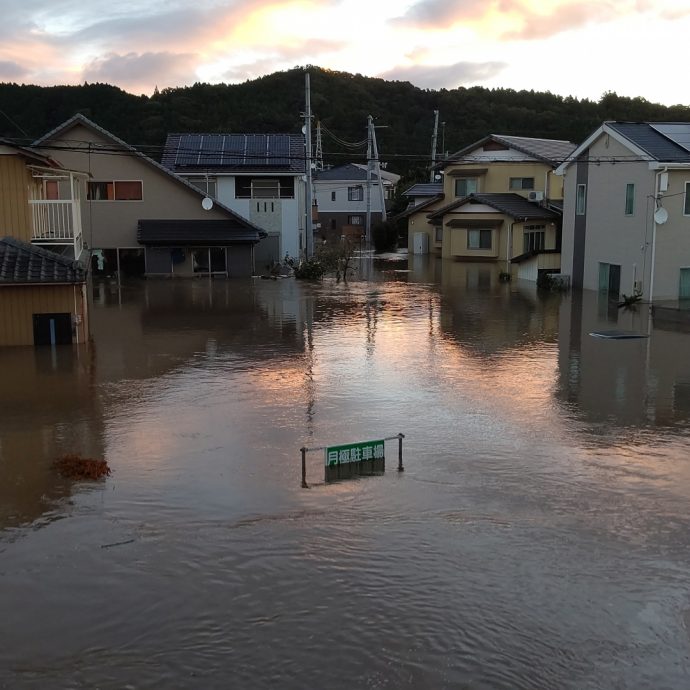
x=340, y=100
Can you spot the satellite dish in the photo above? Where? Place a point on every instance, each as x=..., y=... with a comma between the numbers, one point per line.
x=660, y=215
x=207, y=203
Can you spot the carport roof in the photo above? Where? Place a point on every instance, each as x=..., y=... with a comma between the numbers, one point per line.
x=196, y=233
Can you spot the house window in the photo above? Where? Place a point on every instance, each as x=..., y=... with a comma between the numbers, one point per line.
x=354, y=220
x=332, y=196
x=479, y=239
x=117, y=190
x=333, y=223
x=533, y=238
x=521, y=183
x=355, y=193
x=205, y=184
x=629, y=199
x=466, y=186
x=439, y=234
x=264, y=188
x=52, y=190
x=581, y=200
x=684, y=287
x=686, y=206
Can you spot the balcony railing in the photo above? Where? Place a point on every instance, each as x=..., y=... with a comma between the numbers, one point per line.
x=53, y=221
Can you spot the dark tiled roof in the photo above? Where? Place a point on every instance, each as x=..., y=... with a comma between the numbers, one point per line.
x=644, y=136
x=424, y=189
x=512, y=205
x=418, y=207
x=21, y=262
x=235, y=153
x=195, y=233
x=343, y=172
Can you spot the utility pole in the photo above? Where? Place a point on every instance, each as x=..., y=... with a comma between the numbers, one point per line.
x=309, y=243
x=370, y=129
x=318, y=155
x=377, y=171
x=434, y=141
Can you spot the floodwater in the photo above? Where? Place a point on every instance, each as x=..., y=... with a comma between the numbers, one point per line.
x=538, y=538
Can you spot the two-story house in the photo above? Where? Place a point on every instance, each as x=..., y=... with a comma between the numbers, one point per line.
x=626, y=216
x=140, y=218
x=501, y=203
x=344, y=193
x=43, y=297
x=261, y=177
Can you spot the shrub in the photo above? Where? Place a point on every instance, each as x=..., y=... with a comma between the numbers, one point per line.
x=310, y=269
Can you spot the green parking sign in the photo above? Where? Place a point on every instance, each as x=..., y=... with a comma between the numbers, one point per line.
x=354, y=452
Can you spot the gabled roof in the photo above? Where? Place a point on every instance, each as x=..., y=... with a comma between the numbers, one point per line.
x=30, y=154
x=418, y=207
x=24, y=263
x=82, y=120
x=424, y=189
x=646, y=140
x=347, y=171
x=551, y=151
x=219, y=152
x=512, y=205
x=386, y=175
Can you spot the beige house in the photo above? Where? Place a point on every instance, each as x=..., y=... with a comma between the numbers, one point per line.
x=501, y=202
x=141, y=218
x=42, y=287
x=626, y=217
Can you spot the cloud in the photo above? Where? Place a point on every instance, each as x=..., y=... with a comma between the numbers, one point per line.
x=550, y=19
x=440, y=14
x=446, y=76
x=10, y=70
x=137, y=71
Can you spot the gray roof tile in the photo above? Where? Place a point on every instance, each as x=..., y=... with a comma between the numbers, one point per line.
x=644, y=136
x=512, y=205
x=21, y=262
x=424, y=189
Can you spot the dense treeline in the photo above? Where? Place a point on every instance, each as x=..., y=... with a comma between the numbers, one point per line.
x=340, y=100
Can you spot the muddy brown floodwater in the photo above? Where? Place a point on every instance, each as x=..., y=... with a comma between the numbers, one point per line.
x=539, y=537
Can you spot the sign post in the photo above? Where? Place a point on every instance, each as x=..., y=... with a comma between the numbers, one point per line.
x=366, y=457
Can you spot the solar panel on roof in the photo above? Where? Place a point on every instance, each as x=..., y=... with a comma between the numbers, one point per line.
x=188, y=149
x=280, y=150
x=234, y=148
x=211, y=150
x=678, y=133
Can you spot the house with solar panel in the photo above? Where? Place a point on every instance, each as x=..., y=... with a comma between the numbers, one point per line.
x=501, y=204
x=261, y=177
x=626, y=214
x=141, y=218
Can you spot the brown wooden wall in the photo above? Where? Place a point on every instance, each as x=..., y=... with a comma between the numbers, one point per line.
x=19, y=303
x=15, y=214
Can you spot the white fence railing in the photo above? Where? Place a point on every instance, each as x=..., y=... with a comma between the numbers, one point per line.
x=53, y=220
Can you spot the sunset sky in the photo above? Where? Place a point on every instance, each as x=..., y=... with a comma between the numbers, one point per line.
x=569, y=47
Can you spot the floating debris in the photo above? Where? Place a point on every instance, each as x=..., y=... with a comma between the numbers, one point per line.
x=618, y=335
x=73, y=466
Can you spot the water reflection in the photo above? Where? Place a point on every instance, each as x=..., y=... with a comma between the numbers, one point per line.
x=538, y=538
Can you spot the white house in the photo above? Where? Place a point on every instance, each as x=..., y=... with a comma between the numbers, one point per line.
x=343, y=195
x=259, y=176
x=626, y=215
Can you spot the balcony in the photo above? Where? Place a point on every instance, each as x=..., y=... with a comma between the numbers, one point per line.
x=56, y=209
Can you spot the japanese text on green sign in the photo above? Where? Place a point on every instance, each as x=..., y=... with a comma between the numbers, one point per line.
x=354, y=452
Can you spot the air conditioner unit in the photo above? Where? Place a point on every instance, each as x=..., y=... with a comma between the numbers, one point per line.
x=535, y=196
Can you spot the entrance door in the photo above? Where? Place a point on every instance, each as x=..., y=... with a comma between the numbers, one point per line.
x=684, y=288
x=52, y=329
x=218, y=262
x=610, y=280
